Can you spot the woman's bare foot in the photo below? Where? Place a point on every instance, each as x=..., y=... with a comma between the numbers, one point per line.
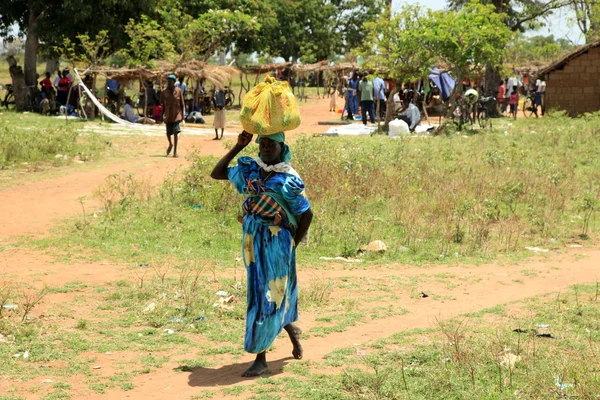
x=259, y=367
x=295, y=333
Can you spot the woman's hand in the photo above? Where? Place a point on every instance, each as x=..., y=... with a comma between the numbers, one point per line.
x=244, y=139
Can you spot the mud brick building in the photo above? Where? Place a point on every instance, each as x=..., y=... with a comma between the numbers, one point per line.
x=573, y=82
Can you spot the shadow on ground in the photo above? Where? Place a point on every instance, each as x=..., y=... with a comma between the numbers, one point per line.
x=228, y=374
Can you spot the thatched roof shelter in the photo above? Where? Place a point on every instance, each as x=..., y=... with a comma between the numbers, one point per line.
x=218, y=75
x=264, y=68
x=343, y=67
x=530, y=69
x=306, y=68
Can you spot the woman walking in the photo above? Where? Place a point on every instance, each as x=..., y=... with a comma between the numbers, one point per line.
x=277, y=216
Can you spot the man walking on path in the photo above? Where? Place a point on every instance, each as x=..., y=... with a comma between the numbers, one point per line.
x=173, y=106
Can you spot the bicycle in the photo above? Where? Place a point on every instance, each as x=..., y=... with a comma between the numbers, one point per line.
x=33, y=98
x=9, y=97
x=229, y=96
x=484, y=106
x=462, y=114
x=529, y=107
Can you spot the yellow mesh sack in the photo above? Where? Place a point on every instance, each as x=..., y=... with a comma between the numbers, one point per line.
x=270, y=108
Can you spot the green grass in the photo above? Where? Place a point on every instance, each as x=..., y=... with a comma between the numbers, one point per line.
x=31, y=140
x=451, y=199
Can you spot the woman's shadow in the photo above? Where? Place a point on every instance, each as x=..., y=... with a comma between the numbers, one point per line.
x=228, y=374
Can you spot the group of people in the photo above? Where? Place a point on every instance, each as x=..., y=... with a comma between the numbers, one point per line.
x=365, y=91
x=362, y=88
x=55, y=93
x=510, y=90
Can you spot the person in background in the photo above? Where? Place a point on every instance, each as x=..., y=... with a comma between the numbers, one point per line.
x=379, y=95
x=46, y=86
x=181, y=85
x=57, y=80
x=513, y=101
x=112, y=89
x=173, y=105
x=157, y=114
x=219, y=104
x=540, y=90
x=63, y=89
x=367, y=104
x=352, y=100
x=502, y=97
x=128, y=114
x=68, y=71
x=410, y=114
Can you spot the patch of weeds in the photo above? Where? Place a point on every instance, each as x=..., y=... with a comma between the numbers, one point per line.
x=338, y=357
x=61, y=385
x=234, y=390
x=99, y=387
x=528, y=272
x=317, y=295
x=190, y=365
x=150, y=360
x=499, y=309
x=341, y=324
x=69, y=287
x=233, y=350
x=206, y=394
x=58, y=395
x=517, y=280
x=82, y=324
x=301, y=368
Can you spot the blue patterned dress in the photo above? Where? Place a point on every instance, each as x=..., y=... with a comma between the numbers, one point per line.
x=269, y=250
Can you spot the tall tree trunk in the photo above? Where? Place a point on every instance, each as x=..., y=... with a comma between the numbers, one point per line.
x=18, y=82
x=390, y=110
x=52, y=65
x=492, y=81
x=31, y=45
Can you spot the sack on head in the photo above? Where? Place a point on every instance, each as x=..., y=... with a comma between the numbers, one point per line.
x=270, y=108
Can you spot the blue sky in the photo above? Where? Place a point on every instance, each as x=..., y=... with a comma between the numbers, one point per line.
x=561, y=24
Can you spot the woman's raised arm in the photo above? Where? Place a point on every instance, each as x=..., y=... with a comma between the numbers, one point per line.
x=220, y=170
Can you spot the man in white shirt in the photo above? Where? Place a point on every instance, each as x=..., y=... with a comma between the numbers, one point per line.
x=128, y=114
x=379, y=94
x=411, y=115
x=512, y=81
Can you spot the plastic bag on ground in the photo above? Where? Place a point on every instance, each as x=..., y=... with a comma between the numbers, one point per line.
x=270, y=108
x=398, y=128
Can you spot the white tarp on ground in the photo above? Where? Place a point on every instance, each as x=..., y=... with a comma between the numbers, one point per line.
x=103, y=109
x=352, y=129
x=151, y=130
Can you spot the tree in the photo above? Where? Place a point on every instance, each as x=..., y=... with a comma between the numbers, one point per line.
x=465, y=40
x=518, y=16
x=587, y=15
x=49, y=22
x=393, y=42
x=523, y=50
